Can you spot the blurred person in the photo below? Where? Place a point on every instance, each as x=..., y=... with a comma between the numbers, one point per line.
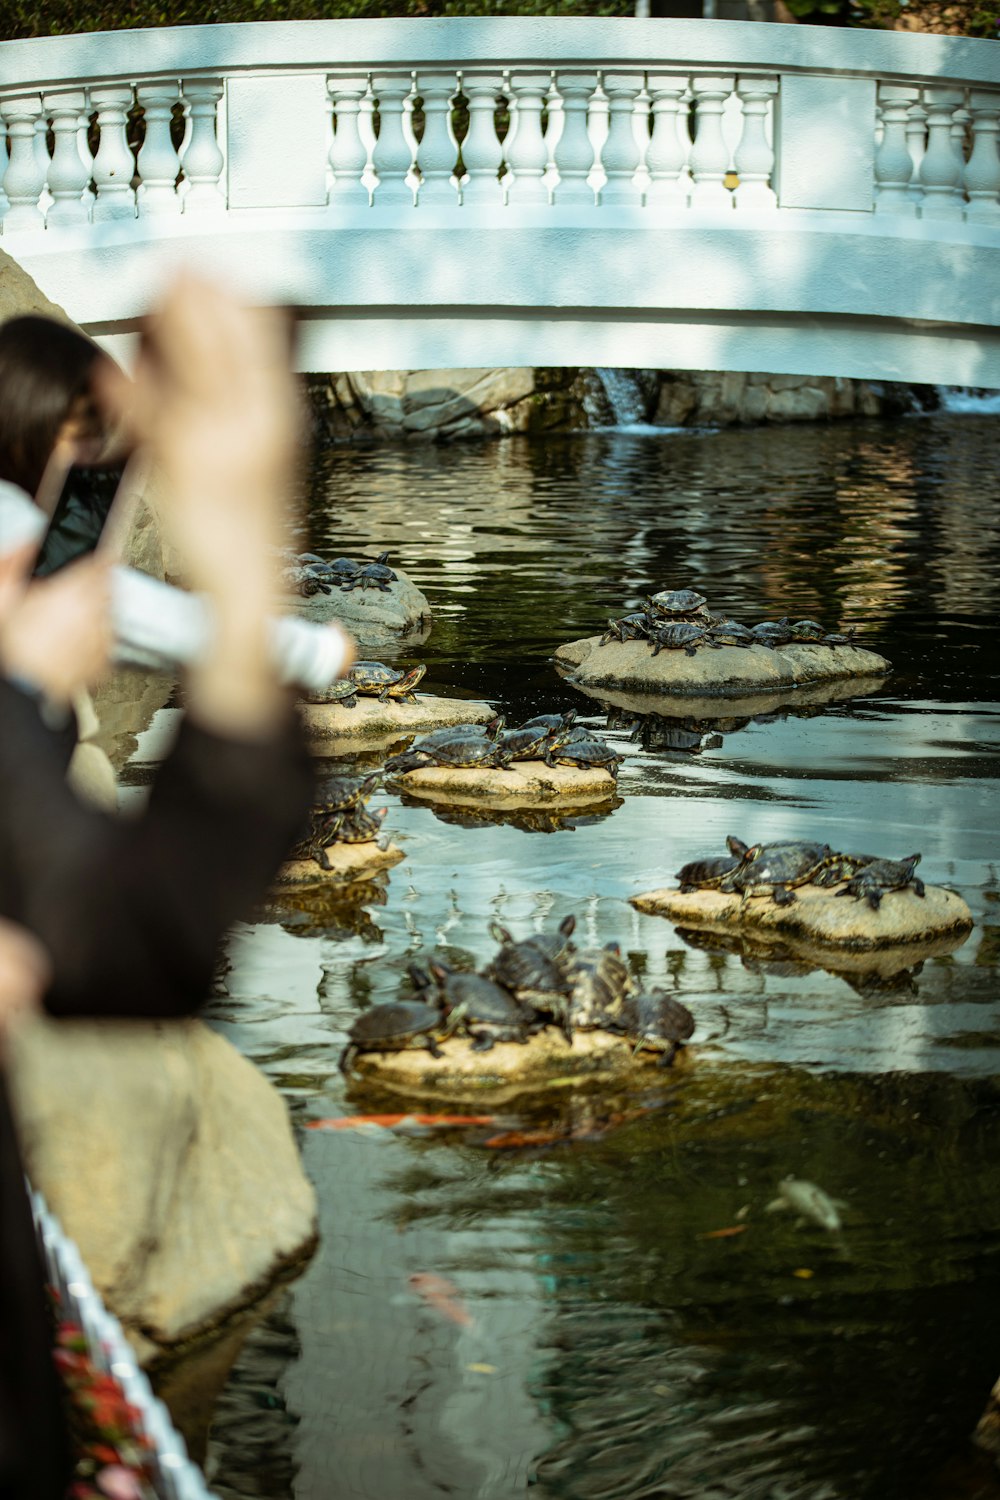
x=101, y=917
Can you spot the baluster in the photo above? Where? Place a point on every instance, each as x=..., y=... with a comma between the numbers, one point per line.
x=668, y=150
x=437, y=153
x=68, y=177
x=940, y=172
x=553, y=129
x=982, y=172
x=754, y=156
x=24, y=179
x=709, y=160
x=348, y=154
x=42, y=154
x=392, y=156
x=916, y=144
x=158, y=162
x=893, y=162
x=113, y=164
x=620, y=156
x=4, y=163
x=86, y=155
x=201, y=158
x=574, y=153
x=959, y=121
x=527, y=153
x=482, y=152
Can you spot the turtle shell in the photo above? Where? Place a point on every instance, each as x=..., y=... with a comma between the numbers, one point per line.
x=551, y=721
x=770, y=868
x=525, y=743
x=653, y=1020
x=883, y=875
x=707, y=874
x=373, y=674
x=481, y=1000
x=393, y=1023
x=677, y=602
x=339, y=792
x=583, y=750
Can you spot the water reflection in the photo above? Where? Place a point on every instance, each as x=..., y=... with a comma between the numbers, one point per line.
x=615, y=1344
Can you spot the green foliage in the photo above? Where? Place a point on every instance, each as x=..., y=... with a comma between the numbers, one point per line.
x=968, y=17
x=24, y=18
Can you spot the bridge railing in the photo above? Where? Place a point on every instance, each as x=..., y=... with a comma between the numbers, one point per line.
x=666, y=118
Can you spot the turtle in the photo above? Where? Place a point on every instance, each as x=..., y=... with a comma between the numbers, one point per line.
x=707, y=874
x=304, y=580
x=342, y=691
x=845, y=867
x=552, y=721
x=578, y=747
x=807, y=630
x=480, y=1008
x=359, y=826
x=532, y=970
x=729, y=633
x=836, y=639
x=631, y=627
x=772, y=632
x=677, y=604
x=599, y=981
x=340, y=792
x=526, y=743
x=322, y=832
x=456, y=750
x=373, y=575
x=654, y=1021
x=373, y=679
x=394, y=1026
x=342, y=567
x=678, y=635
x=774, y=869
x=882, y=875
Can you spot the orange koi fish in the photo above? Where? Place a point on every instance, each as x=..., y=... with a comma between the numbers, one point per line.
x=392, y=1122
x=441, y=1294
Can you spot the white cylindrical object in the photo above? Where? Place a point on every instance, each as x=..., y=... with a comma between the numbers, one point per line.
x=158, y=626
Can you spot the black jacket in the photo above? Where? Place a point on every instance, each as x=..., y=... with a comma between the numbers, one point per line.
x=131, y=913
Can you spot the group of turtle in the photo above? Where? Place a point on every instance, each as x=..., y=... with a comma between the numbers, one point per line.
x=775, y=870
x=679, y=620
x=341, y=816
x=555, y=739
x=306, y=574
x=372, y=679
x=543, y=980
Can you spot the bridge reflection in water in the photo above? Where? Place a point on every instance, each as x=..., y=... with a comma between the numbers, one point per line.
x=690, y=194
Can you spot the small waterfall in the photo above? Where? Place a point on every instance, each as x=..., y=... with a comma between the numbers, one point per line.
x=626, y=397
x=971, y=400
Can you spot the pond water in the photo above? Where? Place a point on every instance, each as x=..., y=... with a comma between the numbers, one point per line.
x=596, y=1336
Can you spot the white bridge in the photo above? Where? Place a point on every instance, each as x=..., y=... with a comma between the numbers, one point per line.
x=673, y=194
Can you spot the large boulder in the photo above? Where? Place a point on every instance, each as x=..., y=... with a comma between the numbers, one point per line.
x=170, y=1160
x=19, y=294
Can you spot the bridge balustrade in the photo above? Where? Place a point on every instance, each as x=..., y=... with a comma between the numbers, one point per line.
x=673, y=137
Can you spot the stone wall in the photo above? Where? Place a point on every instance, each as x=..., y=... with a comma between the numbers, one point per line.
x=446, y=405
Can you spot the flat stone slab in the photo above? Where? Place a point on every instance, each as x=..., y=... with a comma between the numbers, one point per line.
x=370, y=614
x=818, y=915
x=546, y=1061
x=725, y=672
x=529, y=783
x=349, y=862
x=711, y=713
x=371, y=720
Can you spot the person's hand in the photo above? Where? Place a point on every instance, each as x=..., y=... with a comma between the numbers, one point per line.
x=24, y=973
x=215, y=406
x=214, y=403
x=55, y=632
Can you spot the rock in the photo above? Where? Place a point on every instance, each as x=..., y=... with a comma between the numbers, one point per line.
x=546, y=1061
x=369, y=614
x=818, y=915
x=724, y=672
x=169, y=1159
x=20, y=295
x=370, y=720
x=710, y=713
x=529, y=783
x=350, y=862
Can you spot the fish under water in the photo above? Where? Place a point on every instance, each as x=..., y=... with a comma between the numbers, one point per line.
x=809, y=1202
x=442, y=1295
x=396, y=1122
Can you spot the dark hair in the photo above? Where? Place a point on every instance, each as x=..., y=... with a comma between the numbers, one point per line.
x=44, y=367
